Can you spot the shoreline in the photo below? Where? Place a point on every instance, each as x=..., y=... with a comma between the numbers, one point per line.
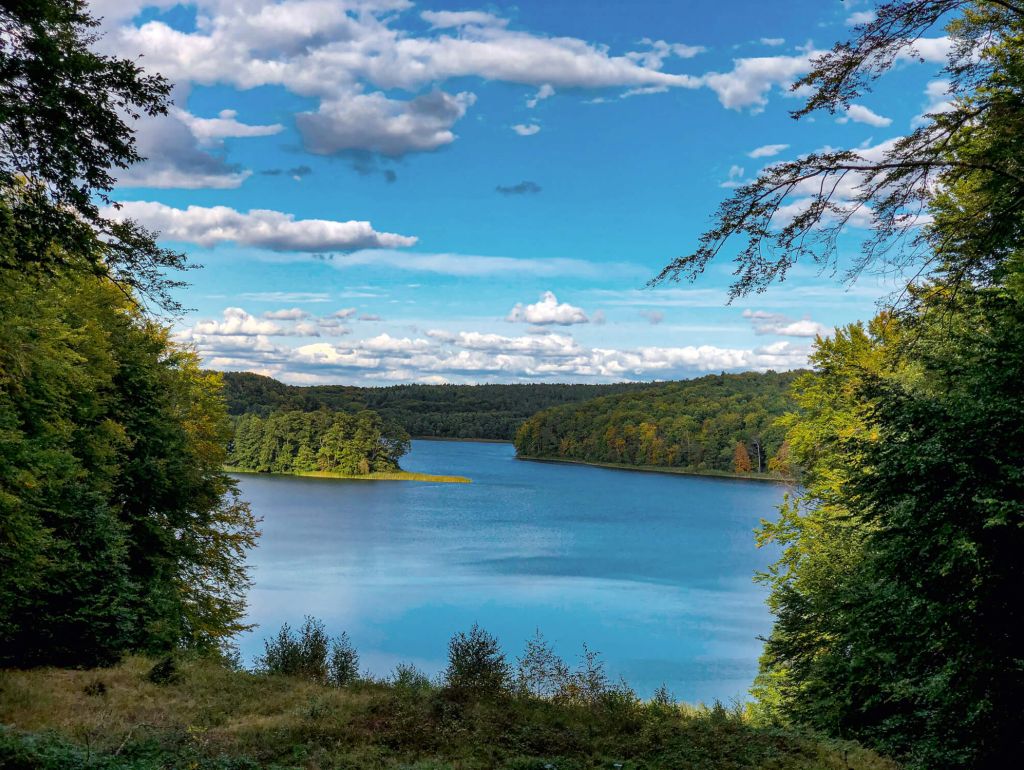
x=661, y=469
x=464, y=440
x=377, y=476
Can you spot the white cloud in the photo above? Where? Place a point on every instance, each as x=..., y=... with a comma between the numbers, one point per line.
x=373, y=122
x=858, y=18
x=783, y=326
x=238, y=323
x=544, y=92
x=858, y=113
x=465, y=356
x=287, y=314
x=275, y=230
x=547, y=311
x=735, y=177
x=211, y=131
x=748, y=83
x=448, y=19
x=528, y=129
x=773, y=41
x=939, y=100
x=345, y=312
x=767, y=151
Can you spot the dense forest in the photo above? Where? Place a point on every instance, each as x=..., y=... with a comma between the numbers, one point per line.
x=298, y=442
x=119, y=531
x=897, y=597
x=722, y=422
x=437, y=411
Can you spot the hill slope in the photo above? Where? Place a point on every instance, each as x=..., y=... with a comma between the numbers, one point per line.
x=448, y=411
x=722, y=422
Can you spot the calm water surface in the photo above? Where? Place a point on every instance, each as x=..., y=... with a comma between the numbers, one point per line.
x=653, y=571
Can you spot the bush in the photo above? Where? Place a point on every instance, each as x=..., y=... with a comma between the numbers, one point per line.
x=476, y=665
x=306, y=655
x=407, y=677
x=344, y=664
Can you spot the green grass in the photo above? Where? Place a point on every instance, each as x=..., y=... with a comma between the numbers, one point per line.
x=379, y=476
x=772, y=478
x=212, y=717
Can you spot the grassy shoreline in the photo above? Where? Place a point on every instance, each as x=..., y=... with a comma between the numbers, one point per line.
x=661, y=469
x=379, y=476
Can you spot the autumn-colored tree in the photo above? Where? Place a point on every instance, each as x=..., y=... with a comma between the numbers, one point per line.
x=741, y=458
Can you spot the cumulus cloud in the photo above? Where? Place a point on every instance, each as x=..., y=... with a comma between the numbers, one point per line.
x=476, y=356
x=939, y=100
x=526, y=129
x=750, y=80
x=783, y=326
x=547, y=311
x=376, y=123
x=287, y=314
x=767, y=151
x=772, y=41
x=237, y=322
x=858, y=113
x=175, y=159
x=525, y=187
x=275, y=230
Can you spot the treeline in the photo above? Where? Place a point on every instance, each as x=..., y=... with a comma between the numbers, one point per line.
x=897, y=596
x=118, y=530
x=297, y=442
x=722, y=422
x=441, y=411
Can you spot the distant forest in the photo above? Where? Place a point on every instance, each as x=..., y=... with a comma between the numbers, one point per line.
x=443, y=411
x=722, y=422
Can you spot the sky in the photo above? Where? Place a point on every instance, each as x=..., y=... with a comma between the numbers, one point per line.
x=386, y=191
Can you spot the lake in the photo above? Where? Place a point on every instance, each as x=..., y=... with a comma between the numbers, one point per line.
x=654, y=571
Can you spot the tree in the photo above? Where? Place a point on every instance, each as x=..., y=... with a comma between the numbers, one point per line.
x=741, y=458
x=65, y=114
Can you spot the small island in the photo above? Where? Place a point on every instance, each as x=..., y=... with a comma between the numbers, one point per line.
x=323, y=444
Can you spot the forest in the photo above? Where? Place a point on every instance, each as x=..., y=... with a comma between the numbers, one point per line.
x=721, y=422
x=435, y=411
x=333, y=442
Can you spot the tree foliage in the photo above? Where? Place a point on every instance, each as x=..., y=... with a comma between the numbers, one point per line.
x=698, y=424
x=439, y=411
x=287, y=442
x=897, y=593
x=118, y=529
x=65, y=131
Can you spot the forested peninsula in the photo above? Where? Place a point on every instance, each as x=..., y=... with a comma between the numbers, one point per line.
x=721, y=423
x=322, y=443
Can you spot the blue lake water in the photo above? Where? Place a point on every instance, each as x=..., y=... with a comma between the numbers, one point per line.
x=653, y=571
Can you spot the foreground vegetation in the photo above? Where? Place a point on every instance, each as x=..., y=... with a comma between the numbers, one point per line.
x=424, y=411
x=724, y=423
x=307, y=707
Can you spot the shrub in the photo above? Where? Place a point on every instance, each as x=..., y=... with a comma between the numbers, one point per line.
x=407, y=677
x=541, y=672
x=476, y=665
x=344, y=663
x=310, y=654
x=164, y=672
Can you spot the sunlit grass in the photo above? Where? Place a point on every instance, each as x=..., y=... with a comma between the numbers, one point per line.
x=378, y=476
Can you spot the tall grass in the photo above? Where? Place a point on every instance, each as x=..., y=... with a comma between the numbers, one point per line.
x=483, y=711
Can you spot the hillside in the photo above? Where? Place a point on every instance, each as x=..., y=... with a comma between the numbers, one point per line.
x=446, y=411
x=208, y=717
x=722, y=422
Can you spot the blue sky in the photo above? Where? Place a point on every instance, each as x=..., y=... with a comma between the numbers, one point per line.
x=388, y=191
